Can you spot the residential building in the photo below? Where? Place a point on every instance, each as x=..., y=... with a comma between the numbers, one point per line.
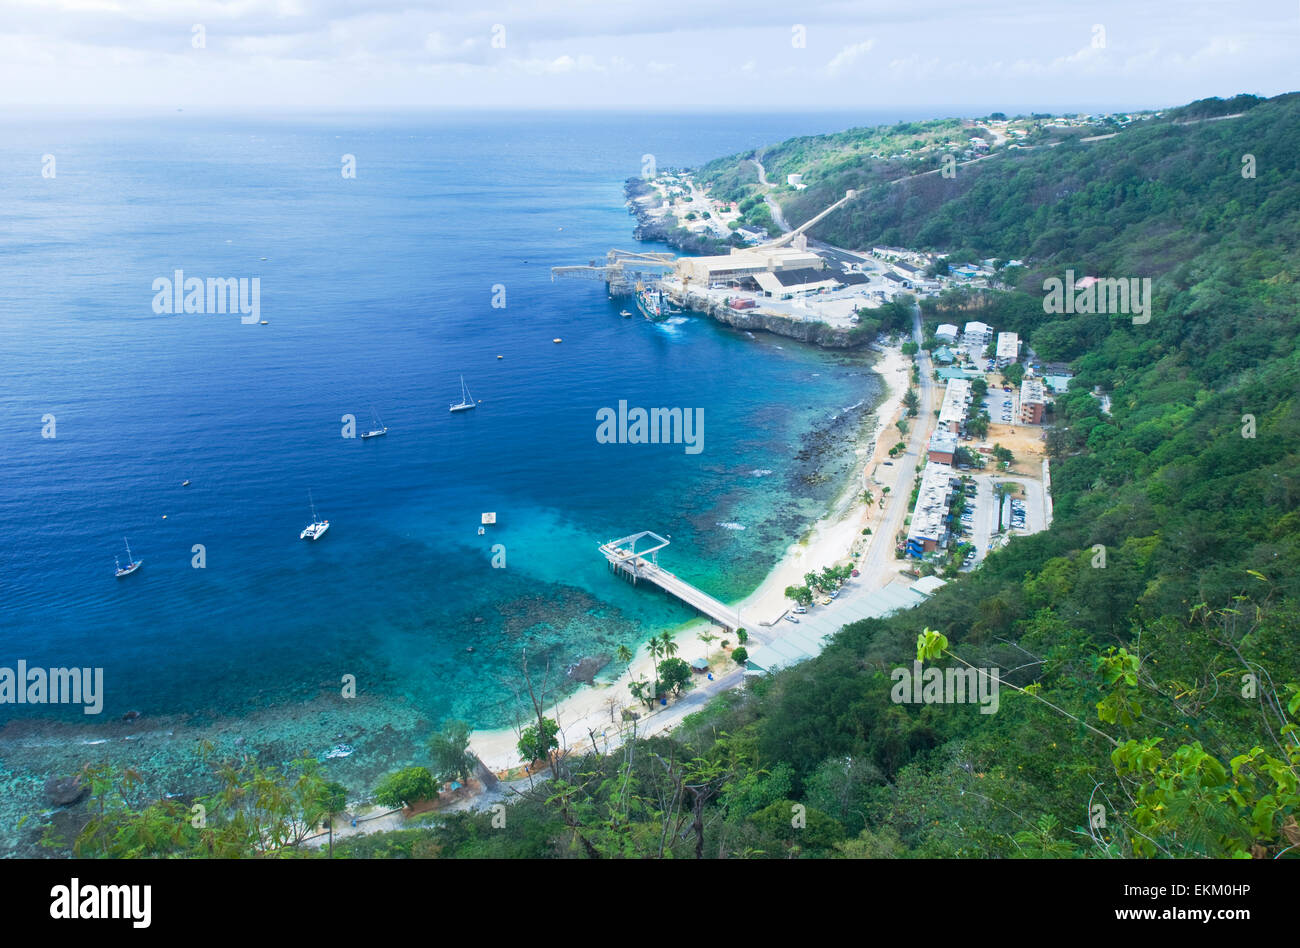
x=1033, y=401
x=943, y=446
x=1008, y=350
x=977, y=333
x=956, y=401
x=928, y=528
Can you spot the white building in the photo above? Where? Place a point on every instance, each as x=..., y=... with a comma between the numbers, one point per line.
x=979, y=334
x=929, y=517
x=795, y=181
x=719, y=270
x=1008, y=348
x=956, y=401
x=946, y=333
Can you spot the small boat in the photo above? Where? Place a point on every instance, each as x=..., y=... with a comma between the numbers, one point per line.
x=131, y=564
x=316, y=529
x=265, y=323
x=557, y=340
x=378, y=429
x=185, y=483
x=625, y=314
x=466, y=400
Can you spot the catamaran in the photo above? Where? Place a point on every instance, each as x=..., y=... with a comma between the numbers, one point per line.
x=316, y=529
x=378, y=429
x=131, y=564
x=466, y=399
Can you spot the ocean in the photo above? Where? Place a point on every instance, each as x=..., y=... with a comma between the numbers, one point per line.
x=377, y=291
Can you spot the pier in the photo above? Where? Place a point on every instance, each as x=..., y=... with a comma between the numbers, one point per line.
x=636, y=565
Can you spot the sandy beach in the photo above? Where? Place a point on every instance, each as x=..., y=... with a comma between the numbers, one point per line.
x=596, y=709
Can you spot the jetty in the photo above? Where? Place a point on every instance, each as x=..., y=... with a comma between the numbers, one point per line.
x=637, y=565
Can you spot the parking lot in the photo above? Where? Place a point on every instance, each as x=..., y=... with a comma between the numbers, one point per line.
x=1001, y=406
x=978, y=521
x=978, y=525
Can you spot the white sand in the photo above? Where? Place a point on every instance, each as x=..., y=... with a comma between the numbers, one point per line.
x=830, y=541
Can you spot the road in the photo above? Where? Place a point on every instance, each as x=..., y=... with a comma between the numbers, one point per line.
x=771, y=204
x=878, y=562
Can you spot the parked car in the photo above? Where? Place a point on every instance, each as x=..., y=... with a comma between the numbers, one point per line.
x=790, y=618
x=801, y=609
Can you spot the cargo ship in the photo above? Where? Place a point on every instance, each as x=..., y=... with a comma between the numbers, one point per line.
x=653, y=304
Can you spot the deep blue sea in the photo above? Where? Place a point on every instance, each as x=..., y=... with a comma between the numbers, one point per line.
x=377, y=291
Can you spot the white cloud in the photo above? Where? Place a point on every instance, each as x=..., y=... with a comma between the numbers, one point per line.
x=848, y=55
x=272, y=53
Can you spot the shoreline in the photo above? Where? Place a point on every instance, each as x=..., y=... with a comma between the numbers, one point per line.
x=591, y=714
x=583, y=714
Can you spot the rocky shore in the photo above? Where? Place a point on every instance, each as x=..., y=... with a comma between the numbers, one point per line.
x=815, y=333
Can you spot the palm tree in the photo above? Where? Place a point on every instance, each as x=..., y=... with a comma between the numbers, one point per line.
x=668, y=648
x=334, y=800
x=624, y=655
x=708, y=638
x=655, y=648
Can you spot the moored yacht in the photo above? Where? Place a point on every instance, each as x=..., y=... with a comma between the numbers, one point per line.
x=131, y=564
x=316, y=529
x=466, y=399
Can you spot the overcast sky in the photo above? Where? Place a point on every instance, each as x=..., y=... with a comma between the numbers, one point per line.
x=753, y=55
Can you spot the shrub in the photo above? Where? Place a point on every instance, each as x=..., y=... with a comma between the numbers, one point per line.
x=404, y=787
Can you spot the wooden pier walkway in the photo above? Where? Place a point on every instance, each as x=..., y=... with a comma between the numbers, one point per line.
x=626, y=560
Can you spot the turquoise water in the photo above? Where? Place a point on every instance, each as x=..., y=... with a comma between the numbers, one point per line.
x=377, y=291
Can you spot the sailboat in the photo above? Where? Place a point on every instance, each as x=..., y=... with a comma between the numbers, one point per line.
x=466, y=400
x=378, y=429
x=131, y=564
x=316, y=529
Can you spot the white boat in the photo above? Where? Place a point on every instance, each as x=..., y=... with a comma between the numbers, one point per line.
x=316, y=529
x=466, y=399
x=131, y=564
x=377, y=428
